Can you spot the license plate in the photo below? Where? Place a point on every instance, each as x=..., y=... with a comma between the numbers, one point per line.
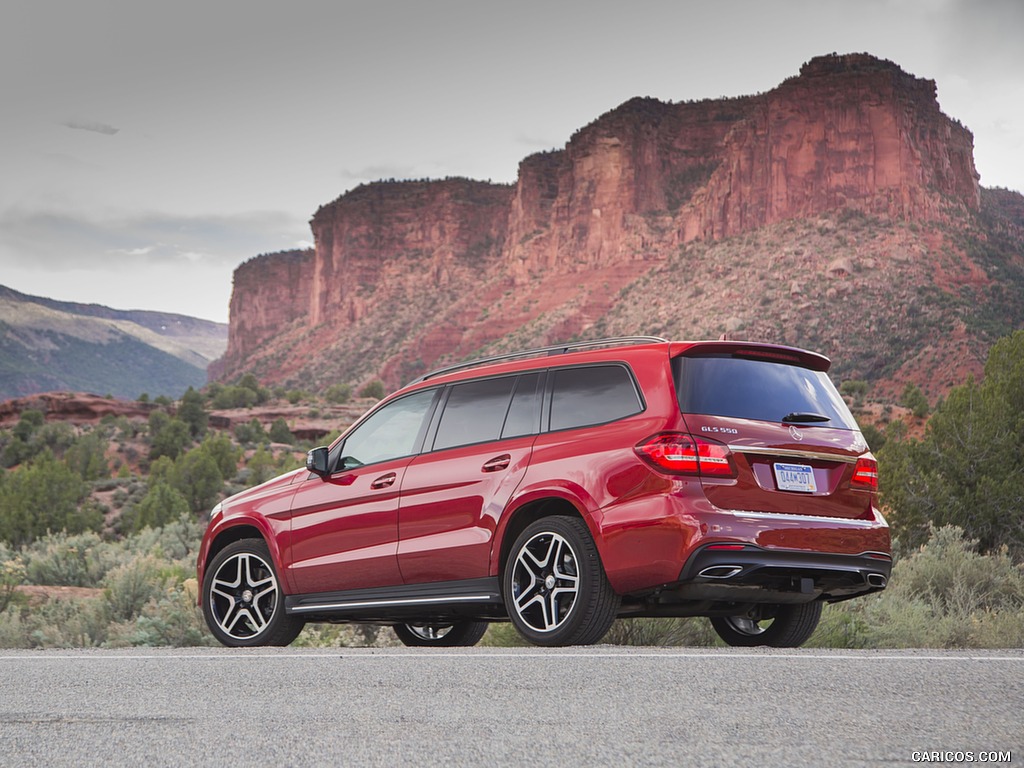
x=795, y=477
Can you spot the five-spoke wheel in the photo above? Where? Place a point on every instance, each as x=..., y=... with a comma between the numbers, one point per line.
x=458, y=633
x=242, y=601
x=554, y=586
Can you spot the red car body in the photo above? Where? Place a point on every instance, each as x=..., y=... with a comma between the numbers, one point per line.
x=690, y=513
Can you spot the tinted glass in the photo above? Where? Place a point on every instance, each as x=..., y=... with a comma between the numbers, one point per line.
x=757, y=389
x=592, y=395
x=474, y=412
x=524, y=413
x=389, y=433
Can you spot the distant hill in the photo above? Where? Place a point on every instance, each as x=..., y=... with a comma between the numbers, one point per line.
x=48, y=345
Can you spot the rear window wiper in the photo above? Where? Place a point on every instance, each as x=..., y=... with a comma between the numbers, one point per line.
x=805, y=418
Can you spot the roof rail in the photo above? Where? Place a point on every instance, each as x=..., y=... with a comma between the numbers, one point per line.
x=556, y=349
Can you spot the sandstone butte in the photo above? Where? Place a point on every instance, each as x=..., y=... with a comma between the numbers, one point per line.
x=408, y=275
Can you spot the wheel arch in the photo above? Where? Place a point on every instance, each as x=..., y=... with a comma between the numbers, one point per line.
x=518, y=520
x=243, y=529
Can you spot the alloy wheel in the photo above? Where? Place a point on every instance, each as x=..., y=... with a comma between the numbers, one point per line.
x=243, y=596
x=545, y=582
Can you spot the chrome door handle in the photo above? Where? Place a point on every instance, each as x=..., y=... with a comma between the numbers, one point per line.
x=384, y=481
x=497, y=463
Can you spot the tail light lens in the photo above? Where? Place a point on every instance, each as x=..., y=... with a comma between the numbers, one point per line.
x=865, y=474
x=681, y=454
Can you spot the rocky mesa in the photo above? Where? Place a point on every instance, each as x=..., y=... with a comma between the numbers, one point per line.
x=687, y=219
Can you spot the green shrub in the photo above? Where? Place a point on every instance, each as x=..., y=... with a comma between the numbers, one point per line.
x=192, y=412
x=914, y=399
x=374, y=389
x=338, y=393
x=64, y=560
x=170, y=439
x=161, y=505
x=261, y=466
x=944, y=595
x=42, y=496
x=280, y=433
x=129, y=587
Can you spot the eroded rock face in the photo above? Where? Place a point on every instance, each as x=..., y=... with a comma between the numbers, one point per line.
x=74, y=408
x=407, y=273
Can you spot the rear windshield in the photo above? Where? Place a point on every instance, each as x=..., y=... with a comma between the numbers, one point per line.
x=719, y=385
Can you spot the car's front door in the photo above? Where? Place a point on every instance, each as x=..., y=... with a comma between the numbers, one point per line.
x=344, y=532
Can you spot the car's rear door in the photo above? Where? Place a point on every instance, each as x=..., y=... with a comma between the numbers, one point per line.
x=454, y=492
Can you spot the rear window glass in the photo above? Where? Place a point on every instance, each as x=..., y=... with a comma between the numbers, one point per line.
x=592, y=395
x=757, y=389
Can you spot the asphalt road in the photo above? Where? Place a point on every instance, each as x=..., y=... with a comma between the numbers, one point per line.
x=487, y=707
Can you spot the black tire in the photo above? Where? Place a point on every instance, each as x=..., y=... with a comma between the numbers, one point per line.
x=458, y=633
x=790, y=627
x=554, y=586
x=242, y=599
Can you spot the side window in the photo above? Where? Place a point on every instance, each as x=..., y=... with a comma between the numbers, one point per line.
x=592, y=395
x=524, y=413
x=390, y=433
x=474, y=412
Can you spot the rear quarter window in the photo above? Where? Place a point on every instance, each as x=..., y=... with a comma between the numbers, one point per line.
x=592, y=395
x=743, y=388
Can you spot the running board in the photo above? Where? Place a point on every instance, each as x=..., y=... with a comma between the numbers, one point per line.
x=401, y=598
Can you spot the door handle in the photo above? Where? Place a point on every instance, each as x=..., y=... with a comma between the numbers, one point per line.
x=384, y=481
x=497, y=463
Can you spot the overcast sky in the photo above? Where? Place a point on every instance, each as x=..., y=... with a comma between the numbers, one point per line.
x=149, y=148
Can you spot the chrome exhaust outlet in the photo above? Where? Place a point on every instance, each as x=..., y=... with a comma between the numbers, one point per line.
x=877, y=580
x=720, y=571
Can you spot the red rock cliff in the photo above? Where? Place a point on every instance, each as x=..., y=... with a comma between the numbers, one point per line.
x=407, y=273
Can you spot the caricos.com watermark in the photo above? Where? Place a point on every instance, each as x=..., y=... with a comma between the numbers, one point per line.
x=960, y=756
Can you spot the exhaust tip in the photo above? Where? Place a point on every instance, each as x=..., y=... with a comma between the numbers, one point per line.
x=877, y=580
x=720, y=571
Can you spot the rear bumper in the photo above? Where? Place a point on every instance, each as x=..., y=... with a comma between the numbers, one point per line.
x=754, y=574
x=660, y=542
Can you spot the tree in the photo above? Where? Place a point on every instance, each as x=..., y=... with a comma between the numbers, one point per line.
x=161, y=505
x=197, y=478
x=280, y=433
x=171, y=440
x=374, y=389
x=42, y=496
x=88, y=457
x=261, y=466
x=192, y=412
x=968, y=469
x=914, y=399
x=224, y=453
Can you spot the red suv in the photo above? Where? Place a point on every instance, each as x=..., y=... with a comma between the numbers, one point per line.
x=560, y=489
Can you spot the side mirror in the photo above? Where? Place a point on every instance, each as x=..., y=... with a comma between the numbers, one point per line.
x=316, y=461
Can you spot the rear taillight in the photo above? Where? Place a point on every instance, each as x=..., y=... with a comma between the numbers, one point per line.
x=681, y=454
x=865, y=475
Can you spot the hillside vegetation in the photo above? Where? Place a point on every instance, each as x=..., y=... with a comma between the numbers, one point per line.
x=47, y=345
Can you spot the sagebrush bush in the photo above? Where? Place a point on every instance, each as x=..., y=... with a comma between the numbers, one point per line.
x=944, y=595
x=65, y=560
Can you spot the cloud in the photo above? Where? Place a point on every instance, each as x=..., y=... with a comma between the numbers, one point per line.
x=55, y=240
x=91, y=125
